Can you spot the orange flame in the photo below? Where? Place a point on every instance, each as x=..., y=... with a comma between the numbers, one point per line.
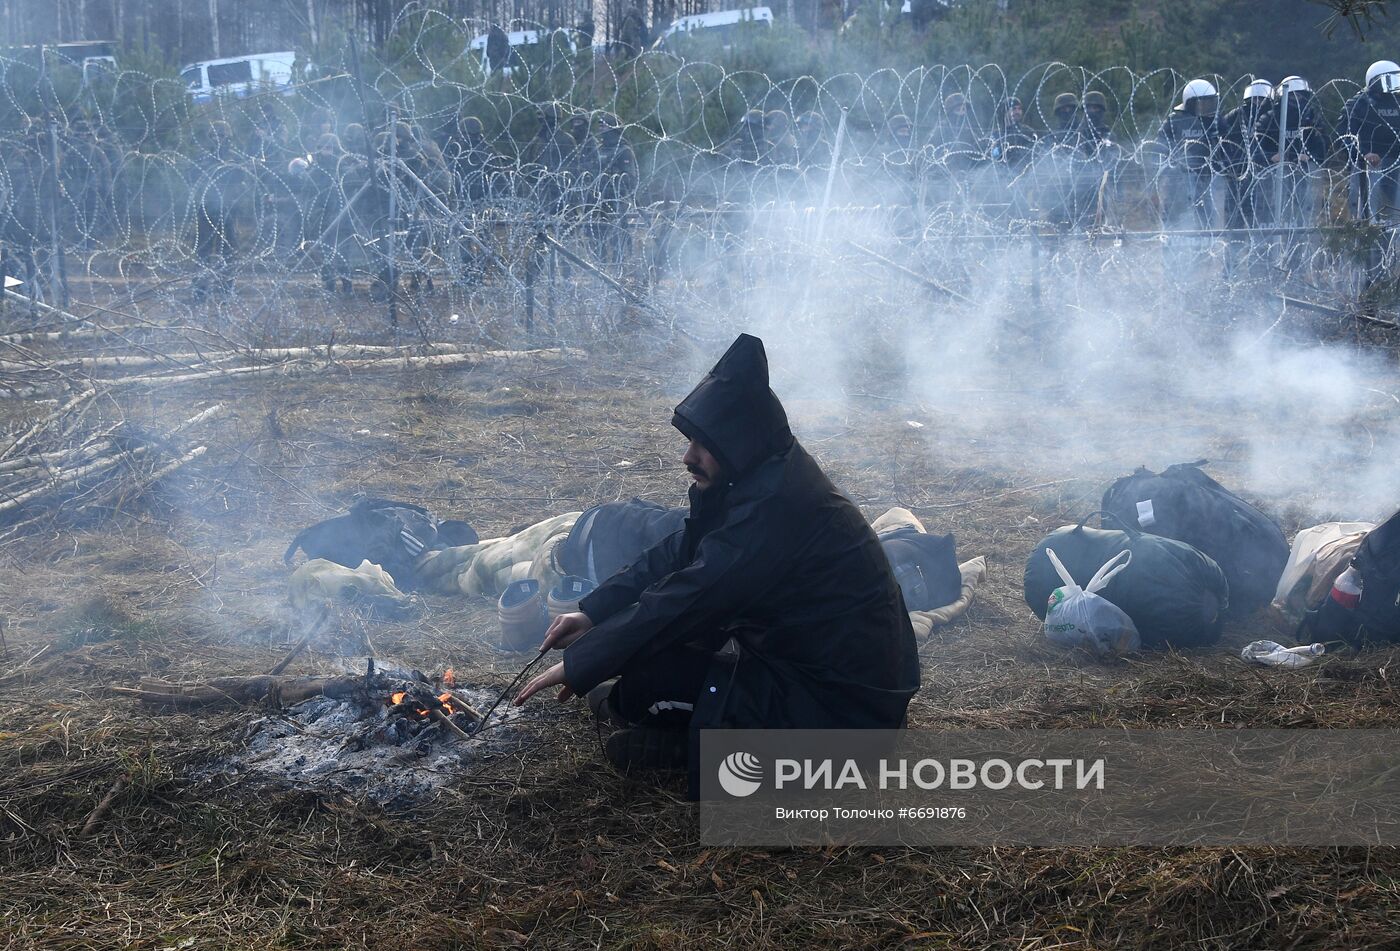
x=444, y=698
x=449, y=679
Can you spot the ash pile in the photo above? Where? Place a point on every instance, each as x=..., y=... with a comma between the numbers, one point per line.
x=392, y=736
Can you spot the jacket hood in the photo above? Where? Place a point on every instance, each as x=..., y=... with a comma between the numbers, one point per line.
x=733, y=413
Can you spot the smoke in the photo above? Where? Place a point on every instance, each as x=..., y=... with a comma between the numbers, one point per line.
x=1134, y=355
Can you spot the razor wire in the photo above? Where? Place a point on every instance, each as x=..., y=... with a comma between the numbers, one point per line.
x=557, y=191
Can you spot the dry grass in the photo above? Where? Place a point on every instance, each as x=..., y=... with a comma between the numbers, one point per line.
x=546, y=846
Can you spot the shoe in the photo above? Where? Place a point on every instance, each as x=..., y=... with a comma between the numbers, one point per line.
x=600, y=705
x=523, y=616
x=565, y=596
x=642, y=747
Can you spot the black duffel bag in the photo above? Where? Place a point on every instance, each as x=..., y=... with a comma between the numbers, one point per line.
x=1184, y=503
x=1373, y=615
x=1175, y=594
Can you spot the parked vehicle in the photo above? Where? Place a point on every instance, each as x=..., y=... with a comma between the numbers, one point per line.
x=91, y=57
x=240, y=76
x=527, y=48
x=725, y=25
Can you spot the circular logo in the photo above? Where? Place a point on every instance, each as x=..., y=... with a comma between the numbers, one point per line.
x=740, y=774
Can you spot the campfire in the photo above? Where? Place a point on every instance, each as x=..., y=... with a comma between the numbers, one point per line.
x=418, y=703
x=388, y=732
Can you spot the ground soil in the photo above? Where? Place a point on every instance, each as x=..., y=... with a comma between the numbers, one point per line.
x=545, y=845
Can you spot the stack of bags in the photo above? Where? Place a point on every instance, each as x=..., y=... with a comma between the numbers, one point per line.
x=1198, y=554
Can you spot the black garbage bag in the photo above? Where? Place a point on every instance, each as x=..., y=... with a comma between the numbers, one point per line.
x=1184, y=503
x=1175, y=595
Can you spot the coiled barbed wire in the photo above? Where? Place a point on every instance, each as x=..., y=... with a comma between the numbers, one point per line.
x=556, y=191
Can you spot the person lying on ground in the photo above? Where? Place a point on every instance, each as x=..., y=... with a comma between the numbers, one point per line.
x=773, y=608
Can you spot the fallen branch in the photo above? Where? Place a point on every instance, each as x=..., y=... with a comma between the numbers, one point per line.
x=400, y=363
x=246, y=690
x=38, y=427
x=1337, y=311
x=262, y=355
x=35, y=336
x=58, y=478
x=170, y=467
x=69, y=476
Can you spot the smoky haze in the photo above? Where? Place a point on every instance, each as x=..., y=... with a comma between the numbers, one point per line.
x=1129, y=359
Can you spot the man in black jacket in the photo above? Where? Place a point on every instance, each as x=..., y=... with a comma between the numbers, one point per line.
x=773, y=557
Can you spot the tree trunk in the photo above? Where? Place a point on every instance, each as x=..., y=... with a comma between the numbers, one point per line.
x=214, y=26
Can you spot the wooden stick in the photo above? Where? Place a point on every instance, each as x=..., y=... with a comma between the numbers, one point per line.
x=170, y=467
x=104, y=806
x=923, y=279
x=446, y=721
x=461, y=701
x=311, y=631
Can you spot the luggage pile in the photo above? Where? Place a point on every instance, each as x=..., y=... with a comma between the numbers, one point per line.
x=1198, y=554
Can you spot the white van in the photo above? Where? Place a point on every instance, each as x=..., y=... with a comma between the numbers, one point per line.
x=239, y=76
x=726, y=25
x=521, y=42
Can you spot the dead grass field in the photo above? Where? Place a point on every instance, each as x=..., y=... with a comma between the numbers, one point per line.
x=546, y=846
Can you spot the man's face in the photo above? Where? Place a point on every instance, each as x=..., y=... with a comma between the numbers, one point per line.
x=702, y=466
x=1017, y=112
x=1095, y=112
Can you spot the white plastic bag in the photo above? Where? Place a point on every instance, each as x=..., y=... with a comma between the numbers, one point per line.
x=1079, y=617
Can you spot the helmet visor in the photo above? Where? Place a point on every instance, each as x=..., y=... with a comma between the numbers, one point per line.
x=1390, y=82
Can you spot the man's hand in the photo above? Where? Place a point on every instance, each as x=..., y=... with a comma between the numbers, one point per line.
x=565, y=629
x=553, y=677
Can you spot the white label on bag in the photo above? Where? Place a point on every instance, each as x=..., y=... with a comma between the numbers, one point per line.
x=1145, y=516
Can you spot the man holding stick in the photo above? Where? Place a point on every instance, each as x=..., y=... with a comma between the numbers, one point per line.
x=772, y=560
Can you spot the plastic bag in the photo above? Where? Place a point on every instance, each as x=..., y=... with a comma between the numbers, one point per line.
x=1078, y=617
x=1274, y=654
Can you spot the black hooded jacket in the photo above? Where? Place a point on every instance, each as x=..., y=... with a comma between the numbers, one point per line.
x=774, y=557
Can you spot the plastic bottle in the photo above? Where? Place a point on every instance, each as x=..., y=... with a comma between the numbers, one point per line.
x=1274, y=654
x=1346, y=590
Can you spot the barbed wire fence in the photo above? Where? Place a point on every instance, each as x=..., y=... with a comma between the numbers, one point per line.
x=561, y=193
